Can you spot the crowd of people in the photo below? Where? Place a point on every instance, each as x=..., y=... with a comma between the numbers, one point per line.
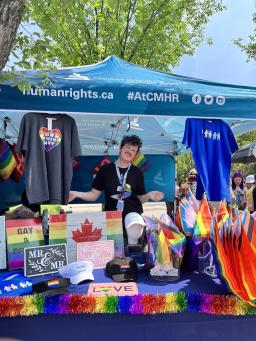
x=242, y=190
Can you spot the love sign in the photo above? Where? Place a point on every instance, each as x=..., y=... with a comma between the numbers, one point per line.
x=113, y=289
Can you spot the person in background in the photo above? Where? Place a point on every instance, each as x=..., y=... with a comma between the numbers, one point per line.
x=192, y=179
x=184, y=190
x=238, y=191
x=124, y=189
x=250, y=193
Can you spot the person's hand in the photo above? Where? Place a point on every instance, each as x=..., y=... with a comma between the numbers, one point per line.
x=155, y=195
x=71, y=196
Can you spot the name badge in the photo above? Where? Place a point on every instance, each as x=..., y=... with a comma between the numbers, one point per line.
x=120, y=205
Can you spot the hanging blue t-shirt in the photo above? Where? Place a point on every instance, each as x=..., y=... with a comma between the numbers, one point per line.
x=212, y=143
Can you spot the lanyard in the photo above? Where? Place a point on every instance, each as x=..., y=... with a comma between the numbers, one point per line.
x=122, y=180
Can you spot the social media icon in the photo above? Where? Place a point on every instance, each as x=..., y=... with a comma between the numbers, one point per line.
x=220, y=100
x=196, y=99
x=208, y=99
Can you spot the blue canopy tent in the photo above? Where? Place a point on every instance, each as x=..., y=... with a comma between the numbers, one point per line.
x=115, y=86
x=115, y=90
x=114, y=97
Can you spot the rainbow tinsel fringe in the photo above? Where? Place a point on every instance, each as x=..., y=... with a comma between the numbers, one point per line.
x=139, y=304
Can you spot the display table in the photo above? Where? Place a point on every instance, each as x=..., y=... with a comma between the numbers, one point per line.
x=196, y=307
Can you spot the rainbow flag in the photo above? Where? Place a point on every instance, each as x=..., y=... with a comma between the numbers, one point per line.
x=151, y=222
x=141, y=162
x=175, y=239
x=53, y=283
x=234, y=213
x=7, y=160
x=222, y=214
x=248, y=223
x=252, y=233
x=115, y=231
x=124, y=266
x=203, y=222
x=237, y=260
x=162, y=251
x=58, y=229
x=152, y=246
x=166, y=220
x=187, y=217
x=193, y=201
x=177, y=242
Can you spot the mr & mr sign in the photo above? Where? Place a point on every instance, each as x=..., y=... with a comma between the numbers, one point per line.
x=42, y=260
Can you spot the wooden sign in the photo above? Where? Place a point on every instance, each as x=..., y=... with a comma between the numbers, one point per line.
x=58, y=229
x=44, y=260
x=92, y=227
x=113, y=289
x=99, y=253
x=22, y=233
x=2, y=243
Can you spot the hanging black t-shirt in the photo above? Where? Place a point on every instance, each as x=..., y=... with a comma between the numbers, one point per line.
x=107, y=180
x=49, y=143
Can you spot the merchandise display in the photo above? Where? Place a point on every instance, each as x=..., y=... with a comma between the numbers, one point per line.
x=78, y=272
x=134, y=224
x=218, y=242
x=122, y=269
x=211, y=140
x=108, y=270
x=51, y=287
x=14, y=284
x=48, y=143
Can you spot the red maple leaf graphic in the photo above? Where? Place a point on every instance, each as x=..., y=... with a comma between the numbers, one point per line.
x=86, y=234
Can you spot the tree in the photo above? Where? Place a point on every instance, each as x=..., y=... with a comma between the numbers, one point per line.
x=250, y=47
x=10, y=18
x=153, y=33
x=184, y=164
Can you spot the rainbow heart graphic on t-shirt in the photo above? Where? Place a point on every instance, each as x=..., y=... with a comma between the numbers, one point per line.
x=50, y=138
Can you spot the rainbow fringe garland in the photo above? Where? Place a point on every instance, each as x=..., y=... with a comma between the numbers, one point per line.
x=140, y=304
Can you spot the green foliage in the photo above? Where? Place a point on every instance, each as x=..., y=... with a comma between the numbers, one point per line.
x=246, y=138
x=153, y=33
x=184, y=164
x=249, y=47
x=23, y=82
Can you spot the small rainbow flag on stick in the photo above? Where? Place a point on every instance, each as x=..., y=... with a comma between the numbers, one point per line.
x=141, y=162
x=187, y=216
x=203, y=222
x=193, y=201
x=162, y=251
x=222, y=214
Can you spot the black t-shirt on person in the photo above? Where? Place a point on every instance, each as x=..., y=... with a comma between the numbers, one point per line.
x=107, y=180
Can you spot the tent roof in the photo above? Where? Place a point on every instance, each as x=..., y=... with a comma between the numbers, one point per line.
x=114, y=97
x=116, y=86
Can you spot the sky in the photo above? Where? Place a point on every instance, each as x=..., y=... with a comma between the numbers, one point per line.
x=224, y=62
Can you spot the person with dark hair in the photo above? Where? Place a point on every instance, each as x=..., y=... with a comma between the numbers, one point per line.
x=123, y=184
x=132, y=140
x=238, y=191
